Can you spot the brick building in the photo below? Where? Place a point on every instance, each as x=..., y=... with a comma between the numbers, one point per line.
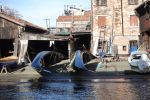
x=115, y=27
x=77, y=21
x=143, y=12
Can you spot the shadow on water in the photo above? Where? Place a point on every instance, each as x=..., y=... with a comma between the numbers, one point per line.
x=139, y=86
x=62, y=90
x=78, y=86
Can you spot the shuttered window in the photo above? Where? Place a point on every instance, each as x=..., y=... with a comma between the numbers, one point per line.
x=101, y=2
x=133, y=20
x=132, y=2
x=102, y=21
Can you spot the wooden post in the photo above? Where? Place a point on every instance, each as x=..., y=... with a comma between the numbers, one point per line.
x=15, y=43
x=71, y=48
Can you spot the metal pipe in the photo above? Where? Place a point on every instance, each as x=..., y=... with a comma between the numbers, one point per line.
x=122, y=18
x=91, y=46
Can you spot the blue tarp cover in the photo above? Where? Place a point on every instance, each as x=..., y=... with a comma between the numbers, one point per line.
x=133, y=48
x=8, y=63
x=36, y=63
x=79, y=61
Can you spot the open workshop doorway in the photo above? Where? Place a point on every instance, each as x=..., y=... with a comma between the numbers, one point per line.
x=6, y=47
x=83, y=41
x=36, y=46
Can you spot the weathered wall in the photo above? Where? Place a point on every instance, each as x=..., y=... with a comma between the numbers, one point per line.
x=8, y=30
x=117, y=23
x=77, y=26
x=145, y=23
x=63, y=24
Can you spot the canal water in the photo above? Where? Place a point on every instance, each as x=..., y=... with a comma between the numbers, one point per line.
x=102, y=88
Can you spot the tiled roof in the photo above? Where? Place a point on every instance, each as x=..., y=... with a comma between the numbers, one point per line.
x=145, y=3
x=20, y=21
x=73, y=18
x=34, y=26
x=12, y=19
x=87, y=13
x=142, y=8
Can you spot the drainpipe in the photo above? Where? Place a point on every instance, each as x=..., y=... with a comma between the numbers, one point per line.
x=91, y=46
x=122, y=18
x=16, y=42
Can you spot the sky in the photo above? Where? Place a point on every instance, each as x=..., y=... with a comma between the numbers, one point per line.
x=35, y=11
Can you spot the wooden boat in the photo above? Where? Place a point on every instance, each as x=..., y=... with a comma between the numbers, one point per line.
x=9, y=59
x=139, y=61
x=84, y=61
x=8, y=62
x=47, y=62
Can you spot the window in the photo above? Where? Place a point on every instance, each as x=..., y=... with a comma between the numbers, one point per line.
x=124, y=48
x=133, y=20
x=132, y=2
x=101, y=2
x=101, y=21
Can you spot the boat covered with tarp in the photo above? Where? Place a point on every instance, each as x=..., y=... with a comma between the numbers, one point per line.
x=48, y=61
x=55, y=62
x=84, y=61
x=139, y=61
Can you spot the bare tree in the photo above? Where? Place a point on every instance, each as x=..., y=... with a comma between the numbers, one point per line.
x=10, y=11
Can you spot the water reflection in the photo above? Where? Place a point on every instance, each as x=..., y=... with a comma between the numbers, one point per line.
x=141, y=87
x=135, y=88
x=82, y=90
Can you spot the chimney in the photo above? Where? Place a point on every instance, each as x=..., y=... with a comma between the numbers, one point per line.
x=2, y=9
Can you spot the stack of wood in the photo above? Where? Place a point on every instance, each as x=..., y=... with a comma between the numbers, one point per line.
x=9, y=59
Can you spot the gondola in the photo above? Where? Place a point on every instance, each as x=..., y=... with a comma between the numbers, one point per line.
x=49, y=62
x=83, y=61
